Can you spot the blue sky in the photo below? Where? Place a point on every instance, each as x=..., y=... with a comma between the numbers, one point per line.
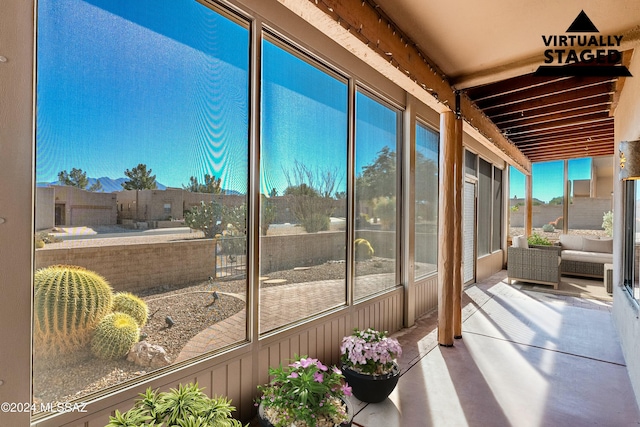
x=548, y=178
x=165, y=83
x=122, y=83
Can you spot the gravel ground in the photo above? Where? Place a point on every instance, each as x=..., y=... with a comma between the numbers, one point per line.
x=191, y=308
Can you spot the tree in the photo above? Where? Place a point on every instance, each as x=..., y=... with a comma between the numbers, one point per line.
x=139, y=179
x=77, y=178
x=378, y=179
x=310, y=195
x=211, y=185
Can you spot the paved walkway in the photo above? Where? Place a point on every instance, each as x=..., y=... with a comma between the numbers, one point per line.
x=282, y=305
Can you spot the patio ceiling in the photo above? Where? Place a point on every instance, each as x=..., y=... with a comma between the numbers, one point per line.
x=551, y=118
x=489, y=51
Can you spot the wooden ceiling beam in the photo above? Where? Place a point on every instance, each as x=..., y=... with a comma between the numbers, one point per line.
x=565, y=143
x=552, y=148
x=546, y=157
x=559, y=124
x=551, y=99
x=555, y=117
x=562, y=87
x=550, y=109
x=567, y=131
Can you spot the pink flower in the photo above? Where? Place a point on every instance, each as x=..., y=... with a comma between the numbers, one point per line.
x=318, y=377
x=346, y=389
x=293, y=375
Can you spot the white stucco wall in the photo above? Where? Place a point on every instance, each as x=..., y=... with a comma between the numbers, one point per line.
x=626, y=311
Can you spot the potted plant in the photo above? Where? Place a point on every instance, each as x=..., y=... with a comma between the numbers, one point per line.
x=186, y=406
x=369, y=364
x=305, y=393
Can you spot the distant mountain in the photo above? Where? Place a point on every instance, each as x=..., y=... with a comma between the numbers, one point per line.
x=109, y=185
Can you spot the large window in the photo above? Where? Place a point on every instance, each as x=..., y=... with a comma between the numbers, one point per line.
x=631, y=254
x=517, y=201
x=142, y=124
x=426, y=199
x=590, y=196
x=548, y=198
x=303, y=181
x=496, y=241
x=490, y=205
x=377, y=136
x=485, y=200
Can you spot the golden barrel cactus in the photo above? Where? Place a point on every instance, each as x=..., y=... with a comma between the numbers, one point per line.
x=114, y=336
x=128, y=303
x=69, y=302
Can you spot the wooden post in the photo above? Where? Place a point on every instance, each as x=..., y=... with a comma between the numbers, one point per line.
x=528, y=205
x=447, y=228
x=457, y=236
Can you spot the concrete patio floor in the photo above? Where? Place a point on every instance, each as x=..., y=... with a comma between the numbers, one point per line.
x=527, y=358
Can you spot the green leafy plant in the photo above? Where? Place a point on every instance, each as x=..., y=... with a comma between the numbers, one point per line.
x=369, y=352
x=363, y=249
x=69, y=302
x=386, y=210
x=185, y=406
x=114, y=336
x=607, y=223
x=207, y=217
x=125, y=302
x=305, y=390
x=536, y=239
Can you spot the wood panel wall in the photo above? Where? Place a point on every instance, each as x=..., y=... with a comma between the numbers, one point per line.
x=237, y=372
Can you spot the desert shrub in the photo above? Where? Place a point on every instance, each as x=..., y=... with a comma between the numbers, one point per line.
x=548, y=228
x=386, y=210
x=43, y=238
x=315, y=222
x=267, y=214
x=207, y=217
x=68, y=303
x=363, y=250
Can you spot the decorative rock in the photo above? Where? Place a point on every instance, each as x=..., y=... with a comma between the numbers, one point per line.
x=148, y=355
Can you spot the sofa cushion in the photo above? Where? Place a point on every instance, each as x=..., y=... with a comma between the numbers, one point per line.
x=595, y=257
x=520, y=242
x=598, y=245
x=571, y=242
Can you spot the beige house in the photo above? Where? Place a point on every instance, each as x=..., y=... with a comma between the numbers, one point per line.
x=70, y=206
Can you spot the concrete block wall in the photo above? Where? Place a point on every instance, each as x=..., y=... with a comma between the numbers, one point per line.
x=139, y=266
x=584, y=213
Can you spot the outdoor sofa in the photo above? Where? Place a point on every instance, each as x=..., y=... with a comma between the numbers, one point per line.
x=585, y=255
x=573, y=255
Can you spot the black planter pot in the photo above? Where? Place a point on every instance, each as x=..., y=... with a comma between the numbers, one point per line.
x=371, y=388
x=266, y=423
